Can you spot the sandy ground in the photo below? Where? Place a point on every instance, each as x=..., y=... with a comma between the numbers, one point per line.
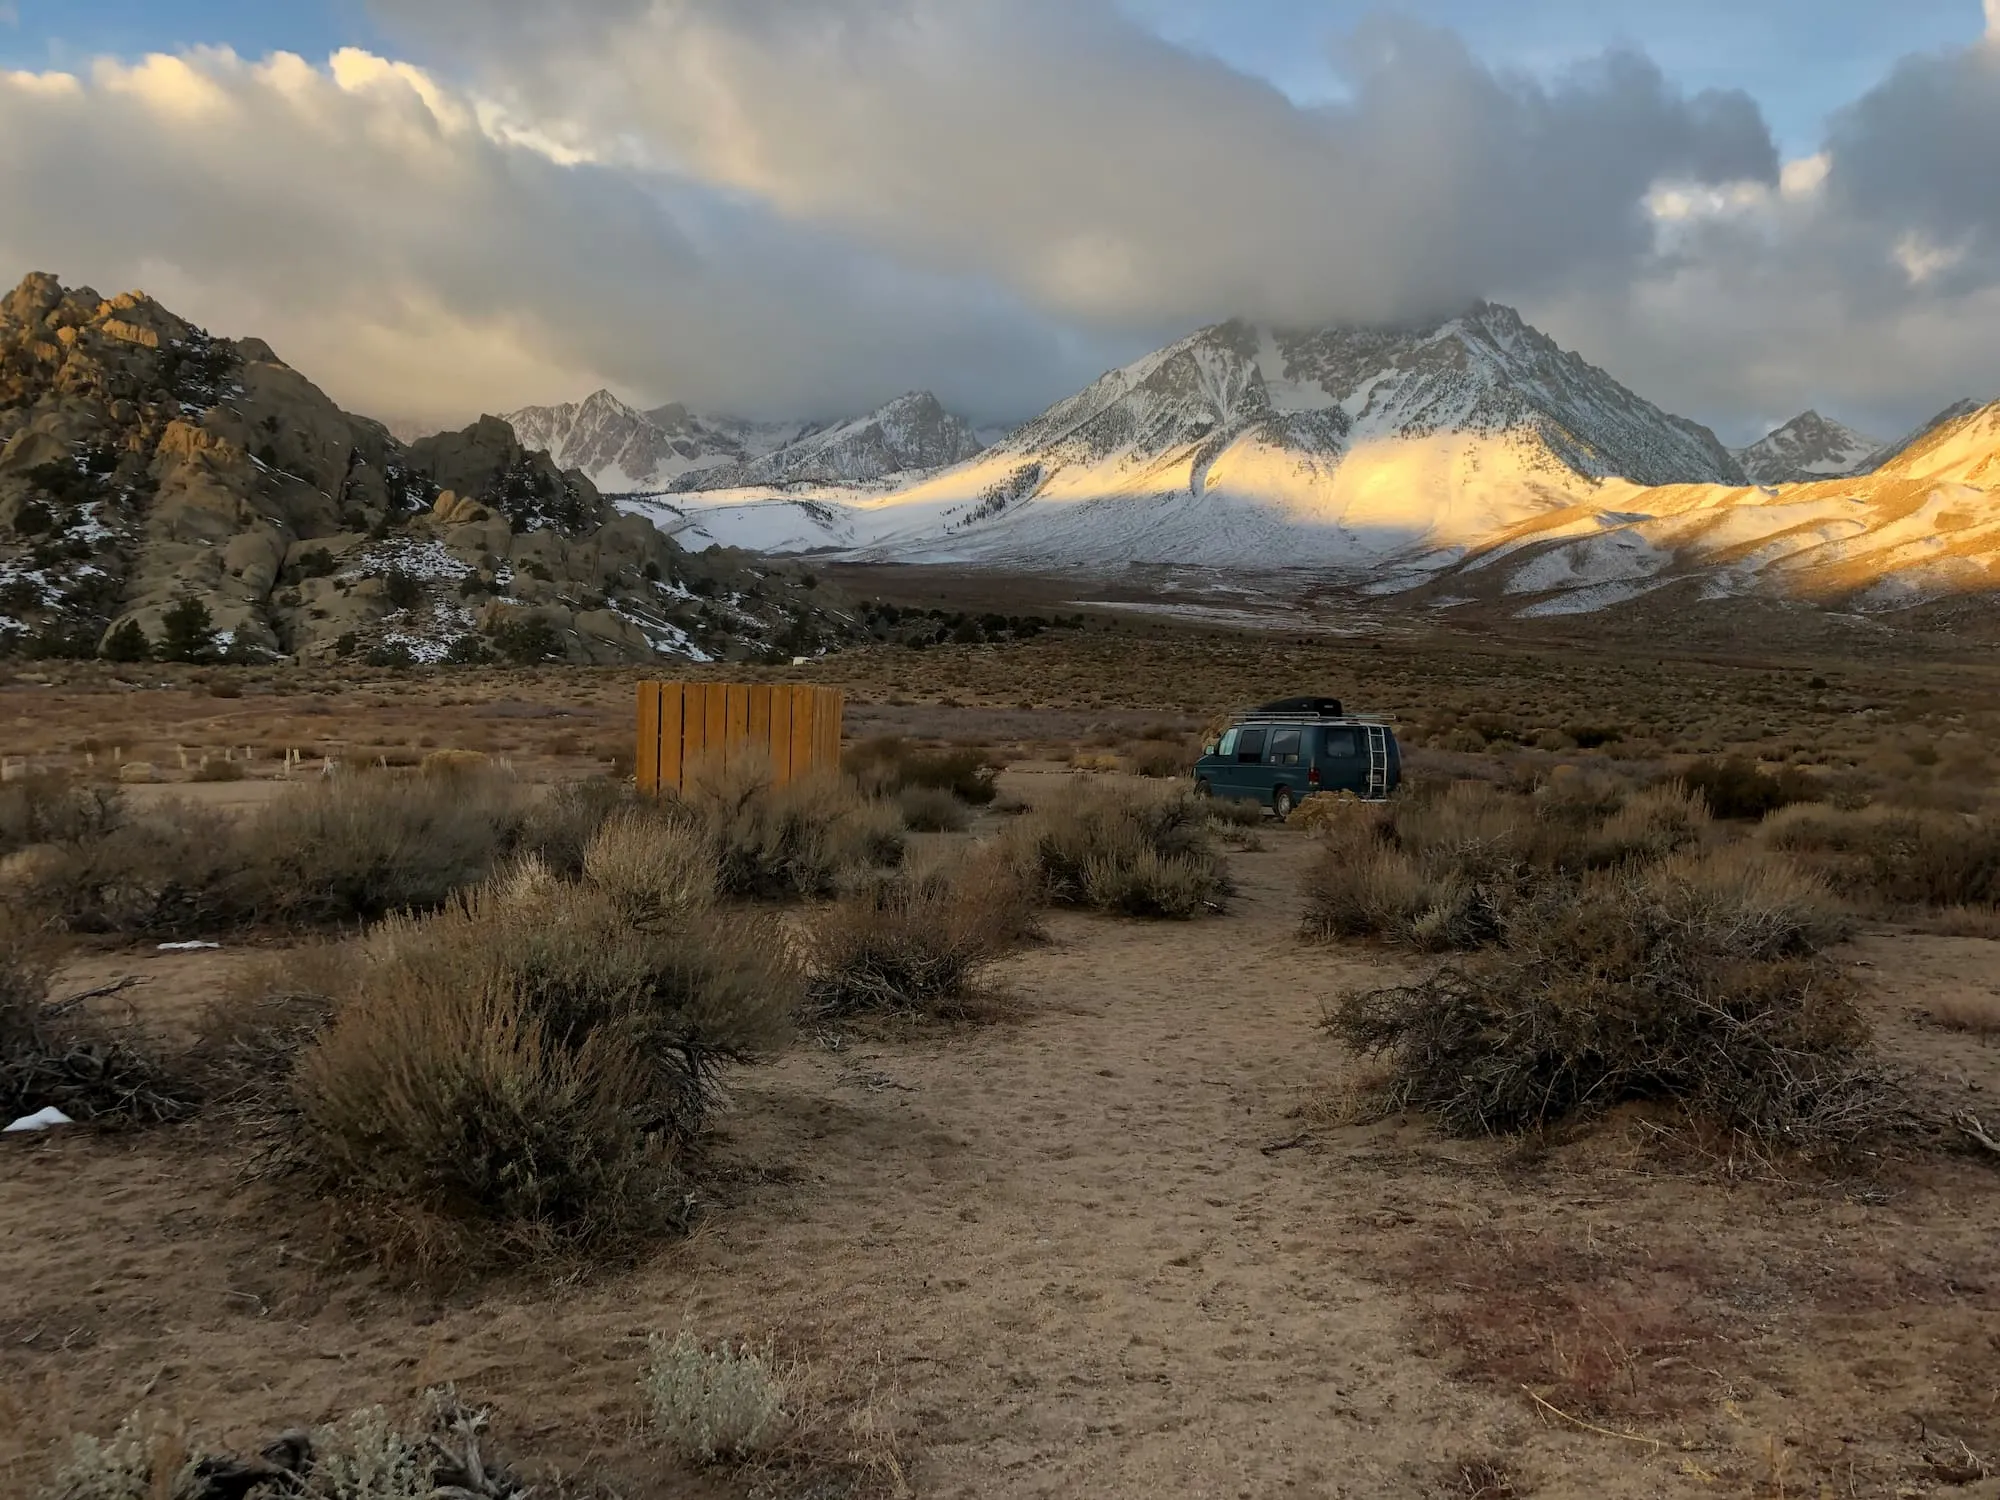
x=1098, y=1250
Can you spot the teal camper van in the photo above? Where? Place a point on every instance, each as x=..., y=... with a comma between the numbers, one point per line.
x=1286, y=751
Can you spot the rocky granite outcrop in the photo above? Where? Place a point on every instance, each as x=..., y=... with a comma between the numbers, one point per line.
x=145, y=463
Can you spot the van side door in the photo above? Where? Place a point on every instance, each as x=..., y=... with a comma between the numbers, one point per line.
x=1249, y=776
x=1343, y=767
x=1288, y=760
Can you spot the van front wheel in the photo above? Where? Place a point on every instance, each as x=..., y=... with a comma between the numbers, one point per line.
x=1281, y=803
x=1203, y=789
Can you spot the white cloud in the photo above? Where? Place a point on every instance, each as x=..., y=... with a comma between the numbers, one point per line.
x=1803, y=177
x=401, y=244
x=814, y=204
x=1058, y=148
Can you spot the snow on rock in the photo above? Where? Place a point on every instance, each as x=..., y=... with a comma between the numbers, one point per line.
x=627, y=452
x=1806, y=448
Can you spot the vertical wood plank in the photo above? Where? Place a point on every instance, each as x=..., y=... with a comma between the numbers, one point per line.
x=736, y=722
x=805, y=733
x=646, y=755
x=782, y=700
x=757, y=732
x=694, y=729
x=715, y=709
x=671, y=766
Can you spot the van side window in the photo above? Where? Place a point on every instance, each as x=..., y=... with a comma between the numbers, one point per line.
x=1228, y=746
x=1342, y=743
x=1284, y=747
x=1250, y=747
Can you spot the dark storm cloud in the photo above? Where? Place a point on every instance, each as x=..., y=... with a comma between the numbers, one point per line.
x=809, y=205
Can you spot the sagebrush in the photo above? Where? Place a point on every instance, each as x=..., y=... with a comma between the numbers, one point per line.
x=1702, y=983
x=918, y=942
x=707, y=1404
x=1116, y=850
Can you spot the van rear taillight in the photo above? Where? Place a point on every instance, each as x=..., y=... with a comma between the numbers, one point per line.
x=1312, y=776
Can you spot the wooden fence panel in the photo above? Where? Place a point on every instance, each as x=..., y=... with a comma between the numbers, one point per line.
x=694, y=729
x=805, y=744
x=682, y=726
x=783, y=695
x=736, y=721
x=715, y=708
x=646, y=762
x=673, y=734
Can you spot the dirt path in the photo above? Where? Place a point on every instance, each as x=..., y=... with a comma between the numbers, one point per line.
x=1057, y=1252
x=1069, y=1238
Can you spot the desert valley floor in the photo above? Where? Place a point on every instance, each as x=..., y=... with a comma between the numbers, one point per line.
x=1127, y=1238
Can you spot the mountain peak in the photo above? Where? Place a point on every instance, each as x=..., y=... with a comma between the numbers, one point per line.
x=1809, y=448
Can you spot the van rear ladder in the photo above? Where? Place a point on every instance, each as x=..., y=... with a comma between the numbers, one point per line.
x=1378, y=762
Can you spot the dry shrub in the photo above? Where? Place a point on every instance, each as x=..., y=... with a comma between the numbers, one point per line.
x=918, y=942
x=450, y=762
x=1978, y=1015
x=530, y=1070
x=559, y=825
x=1649, y=825
x=1443, y=894
x=1440, y=871
x=163, y=869
x=1317, y=814
x=1158, y=759
x=796, y=840
x=250, y=1036
x=359, y=847
x=886, y=766
x=91, y=1071
x=650, y=867
x=1905, y=856
x=1378, y=891
x=927, y=809
x=364, y=1456
x=1964, y=922
x=49, y=809
x=1240, y=812
x=1118, y=850
x=351, y=848
x=219, y=770
x=708, y=1404
x=1699, y=984
x=1739, y=788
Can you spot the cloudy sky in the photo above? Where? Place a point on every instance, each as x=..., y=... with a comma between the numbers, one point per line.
x=435, y=207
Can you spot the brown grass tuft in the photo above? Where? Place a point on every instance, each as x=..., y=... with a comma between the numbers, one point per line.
x=797, y=840
x=1117, y=850
x=919, y=942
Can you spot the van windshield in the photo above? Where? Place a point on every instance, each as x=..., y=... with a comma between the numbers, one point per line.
x=1228, y=745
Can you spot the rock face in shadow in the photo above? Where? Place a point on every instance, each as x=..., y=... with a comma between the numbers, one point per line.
x=145, y=463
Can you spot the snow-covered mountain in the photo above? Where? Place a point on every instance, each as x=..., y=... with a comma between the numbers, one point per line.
x=1919, y=526
x=1471, y=460
x=1247, y=446
x=1806, y=448
x=912, y=433
x=623, y=449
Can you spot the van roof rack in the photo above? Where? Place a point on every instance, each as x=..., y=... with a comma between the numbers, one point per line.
x=1319, y=708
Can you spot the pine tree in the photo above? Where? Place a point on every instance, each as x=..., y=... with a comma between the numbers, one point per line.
x=187, y=633
x=127, y=643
